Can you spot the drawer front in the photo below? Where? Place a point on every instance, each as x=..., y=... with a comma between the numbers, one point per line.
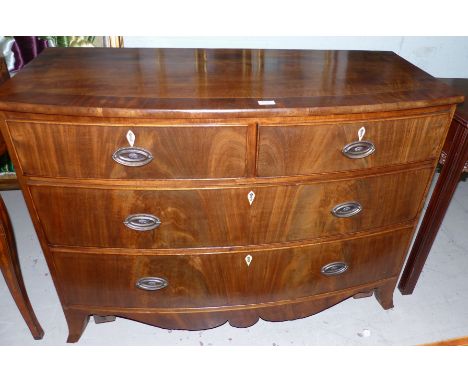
x=224, y=217
x=290, y=213
x=317, y=148
x=106, y=218
x=91, y=151
x=223, y=279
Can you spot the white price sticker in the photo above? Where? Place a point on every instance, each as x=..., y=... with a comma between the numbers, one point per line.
x=266, y=102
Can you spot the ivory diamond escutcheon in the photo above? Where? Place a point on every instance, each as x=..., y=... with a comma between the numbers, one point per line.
x=130, y=138
x=251, y=197
x=361, y=133
x=248, y=259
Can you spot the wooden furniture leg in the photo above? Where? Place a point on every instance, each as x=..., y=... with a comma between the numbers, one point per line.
x=440, y=200
x=77, y=322
x=384, y=294
x=9, y=264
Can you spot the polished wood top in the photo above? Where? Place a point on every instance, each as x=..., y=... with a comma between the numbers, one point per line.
x=219, y=82
x=461, y=85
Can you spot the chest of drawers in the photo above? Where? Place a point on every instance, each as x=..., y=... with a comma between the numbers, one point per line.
x=184, y=188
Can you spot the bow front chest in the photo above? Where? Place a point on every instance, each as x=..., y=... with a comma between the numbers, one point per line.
x=184, y=188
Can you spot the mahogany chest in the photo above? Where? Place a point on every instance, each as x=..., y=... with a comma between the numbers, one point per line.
x=184, y=188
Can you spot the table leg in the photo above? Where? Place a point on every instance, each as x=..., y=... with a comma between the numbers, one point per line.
x=9, y=264
x=438, y=204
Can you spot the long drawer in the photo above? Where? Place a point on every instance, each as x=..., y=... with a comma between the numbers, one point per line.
x=301, y=149
x=224, y=217
x=104, y=151
x=231, y=278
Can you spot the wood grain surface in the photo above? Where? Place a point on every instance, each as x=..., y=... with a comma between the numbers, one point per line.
x=224, y=217
x=456, y=162
x=197, y=112
x=85, y=151
x=316, y=148
x=225, y=279
x=219, y=82
x=237, y=316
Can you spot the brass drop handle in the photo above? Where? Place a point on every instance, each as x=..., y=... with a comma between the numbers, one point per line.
x=132, y=156
x=334, y=269
x=152, y=283
x=346, y=209
x=358, y=149
x=142, y=222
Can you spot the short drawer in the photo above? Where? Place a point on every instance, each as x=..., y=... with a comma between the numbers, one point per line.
x=145, y=218
x=317, y=148
x=103, y=151
x=230, y=278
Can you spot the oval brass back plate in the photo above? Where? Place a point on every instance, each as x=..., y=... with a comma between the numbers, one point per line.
x=335, y=268
x=142, y=222
x=132, y=156
x=346, y=209
x=358, y=149
x=152, y=283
